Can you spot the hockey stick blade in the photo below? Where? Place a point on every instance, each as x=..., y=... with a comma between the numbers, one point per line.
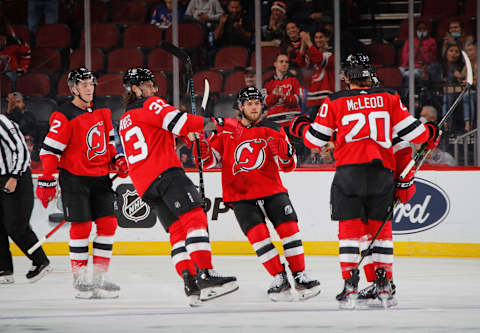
x=206, y=93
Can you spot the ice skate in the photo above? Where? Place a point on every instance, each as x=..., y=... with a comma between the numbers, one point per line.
x=385, y=291
x=368, y=297
x=213, y=285
x=280, y=289
x=305, y=286
x=103, y=288
x=37, y=272
x=191, y=288
x=83, y=288
x=6, y=277
x=348, y=297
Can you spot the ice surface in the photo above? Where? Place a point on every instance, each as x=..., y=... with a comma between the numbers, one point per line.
x=434, y=295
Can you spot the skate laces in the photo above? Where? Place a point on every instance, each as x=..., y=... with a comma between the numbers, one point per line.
x=278, y=280
x=214, y=273
x=302, y=277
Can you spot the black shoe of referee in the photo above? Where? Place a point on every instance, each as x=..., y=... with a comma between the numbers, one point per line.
x=37, y=272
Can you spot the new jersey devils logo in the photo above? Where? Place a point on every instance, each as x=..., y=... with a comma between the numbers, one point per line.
x=96, y=140
x=249, y=155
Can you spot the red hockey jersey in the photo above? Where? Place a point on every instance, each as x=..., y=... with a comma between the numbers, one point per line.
x=147, y=130
x=283, y=111
x=249, y=169
x=367, y=121
x=79, y=141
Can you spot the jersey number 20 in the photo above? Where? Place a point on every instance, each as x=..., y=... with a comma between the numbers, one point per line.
x=361, y=120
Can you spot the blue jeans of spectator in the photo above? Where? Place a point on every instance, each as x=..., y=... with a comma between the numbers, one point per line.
x=469, y=109
x=38, y=7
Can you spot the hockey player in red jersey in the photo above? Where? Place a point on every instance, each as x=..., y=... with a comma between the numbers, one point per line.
x=147, y=130
x=80, y=142
x=251, y=157
x=370, y=123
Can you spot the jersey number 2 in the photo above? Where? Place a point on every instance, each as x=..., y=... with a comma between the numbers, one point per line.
x=361, y=120
x=139, y=144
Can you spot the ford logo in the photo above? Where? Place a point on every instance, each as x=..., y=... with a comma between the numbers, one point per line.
x=426, y=209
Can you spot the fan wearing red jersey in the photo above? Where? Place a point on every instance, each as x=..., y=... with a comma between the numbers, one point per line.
x=251, y=159
x=370, y=123
x=80, y=142
x=147, y=130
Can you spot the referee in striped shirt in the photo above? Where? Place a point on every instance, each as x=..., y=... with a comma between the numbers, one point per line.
x=16, y=204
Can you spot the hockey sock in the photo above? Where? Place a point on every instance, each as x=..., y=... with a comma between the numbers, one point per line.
x=368, y=267
x=197, y=242
x=349, y=234
x=180, y=258
x=292, y=245
x=266, y=251
x=382, y=250
x=103, y=242
x=78, y=243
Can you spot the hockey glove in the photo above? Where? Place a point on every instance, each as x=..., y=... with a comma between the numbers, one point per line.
x=121, y=165
x=405, y=188
x=298, y=126
x=281, y=148
x=204, y=149
x=46, y=189
x=229, y=125
x=434, y=135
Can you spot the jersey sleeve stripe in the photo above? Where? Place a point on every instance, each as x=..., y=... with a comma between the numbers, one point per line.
x=414, y=131
x=408, y=125
x=399, y=145
x=179, y=124
x=54, y=144
x=314, y=140
x=322, y=129
x=46, y=149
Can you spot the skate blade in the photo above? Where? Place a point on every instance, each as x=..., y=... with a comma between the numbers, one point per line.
x=105, y=294
x=284, y=296
x=304, y=294
x=387, y=301
x=84, y=294
x=7, y=279
x=349, y=304
x=45, y=271
x=207, y=294
x=194, y=301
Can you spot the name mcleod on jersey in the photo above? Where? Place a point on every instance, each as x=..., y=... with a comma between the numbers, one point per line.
x=365, y=102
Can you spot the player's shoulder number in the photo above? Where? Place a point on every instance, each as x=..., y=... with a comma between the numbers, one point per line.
x=157, y=105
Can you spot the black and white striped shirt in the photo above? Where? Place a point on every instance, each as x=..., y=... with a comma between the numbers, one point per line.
x=14, y=155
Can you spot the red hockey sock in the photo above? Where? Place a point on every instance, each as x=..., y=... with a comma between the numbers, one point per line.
x=180, y=258
x=266, y=251
x=349, y=234
x=197, y=242
x=382, y=253
x=103, y=242
x=78, y=244
x=292, y=245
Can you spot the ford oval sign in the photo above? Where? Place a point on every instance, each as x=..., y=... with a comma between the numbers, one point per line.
x=426, y=209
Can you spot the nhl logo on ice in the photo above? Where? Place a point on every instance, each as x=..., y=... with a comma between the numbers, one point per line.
x=249, y=155
x=426, y=209
x=134, y=208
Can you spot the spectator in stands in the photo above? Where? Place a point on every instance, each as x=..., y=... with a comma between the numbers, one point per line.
x=316, y=56
x=204, y=10
x=456, y=35
x=186, y=157
x=274, y=32
x=425, y=51
x=470, y=98
x=25, y=119
x=39, y=8
x=234, y=28
x=162, y=15
x=14, y=55
x=292, y=41
x=307, y=13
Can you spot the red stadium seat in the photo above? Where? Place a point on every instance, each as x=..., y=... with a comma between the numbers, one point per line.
x=390, y=77
x=15, y=11
x=162, y=83
x=53, y=35
x=403, y=34
x=142, y=35
x=22, y=32
x=103, y=35
x=77, y=59
x=119, y=60
x=234, y=82
x=130, y=12
x=110, y=84
x=5, y=85
x=436, y=8
x=62, y=86
x=189, y=35
x=231, y=57
x=382, y=54
x=45, y=60
x=442, y=27
x=161, y=60
x=214, y=78
x=268, y=56
x=33, y=84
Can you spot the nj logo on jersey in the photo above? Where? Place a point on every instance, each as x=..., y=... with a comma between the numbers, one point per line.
x=249, y=155
x=96, y=141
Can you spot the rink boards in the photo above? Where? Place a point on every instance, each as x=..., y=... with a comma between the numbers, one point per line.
x=441, y=220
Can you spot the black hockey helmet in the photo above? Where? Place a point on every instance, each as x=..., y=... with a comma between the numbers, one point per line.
x=78, y=75
x=136, y=77
x=358, y=67
x=248, y=93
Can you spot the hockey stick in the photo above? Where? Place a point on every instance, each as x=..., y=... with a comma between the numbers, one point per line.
x=54, y=218
x=421, y=155
x=182, y=55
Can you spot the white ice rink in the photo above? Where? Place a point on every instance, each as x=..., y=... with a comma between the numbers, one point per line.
x=434, y=295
